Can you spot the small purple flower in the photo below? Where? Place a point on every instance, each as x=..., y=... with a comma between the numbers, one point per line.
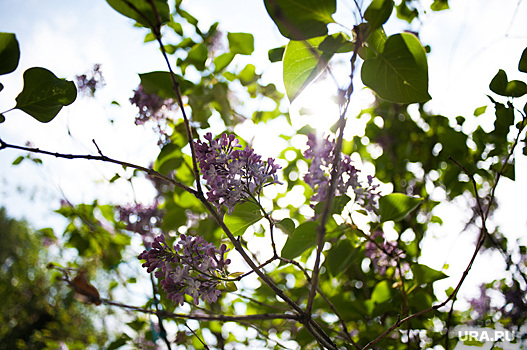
x=154, y=109
x=191, y=267
x=232, y=174
x=383, y=254
x=481, y=304
x=322, y=155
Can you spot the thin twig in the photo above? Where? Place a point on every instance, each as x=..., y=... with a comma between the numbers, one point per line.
x=102, y=158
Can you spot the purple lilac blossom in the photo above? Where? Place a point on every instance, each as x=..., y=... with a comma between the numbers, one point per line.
x=322, y=155
x=383, y=254
x=232, y=174
x=155, y=109
x=89, y=84
x=142, y=219
x=190, y=267
x=482, y=304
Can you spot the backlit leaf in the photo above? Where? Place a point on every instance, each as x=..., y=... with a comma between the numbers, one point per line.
x=9, y=53
x=303, y=63
x=241, y=43
x=304, y=237
x=425, y=274
x=502, y=86
x=399, y=73
x=243, y=216
x=141, y=10
x=395, y=206
x=44, y=95
x=301, y=19
x=378, y=13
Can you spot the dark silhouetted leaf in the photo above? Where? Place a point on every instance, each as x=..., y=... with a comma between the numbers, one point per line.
x=301, y=19
x=44, y=95
x=9, y=53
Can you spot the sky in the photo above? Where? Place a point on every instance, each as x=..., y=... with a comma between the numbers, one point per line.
x=470, y=42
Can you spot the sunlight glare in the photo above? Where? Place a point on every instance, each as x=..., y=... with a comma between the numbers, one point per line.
x=316, y=106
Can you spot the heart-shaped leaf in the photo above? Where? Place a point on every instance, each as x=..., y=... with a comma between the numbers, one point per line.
x=400, y=72
x=44, y=95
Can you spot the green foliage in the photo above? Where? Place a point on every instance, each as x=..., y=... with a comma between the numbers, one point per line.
x=402, y=69
x=243, y=216
x=378, y=13
x=44, y=94
x=36, y=312
x=303, y=238
x=241, y=43
x=396, y=206
x=303, y=63
x=502, y=86
x=142, y=11
x=9, y=53
x=300, y=20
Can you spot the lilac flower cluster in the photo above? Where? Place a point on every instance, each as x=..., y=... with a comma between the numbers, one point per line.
x=383, y=254
x=481, y=304
x=233, y=175
x=322, y=155
x=89, y=84
x=152, y=108
x=142, y=219
x=193, y=267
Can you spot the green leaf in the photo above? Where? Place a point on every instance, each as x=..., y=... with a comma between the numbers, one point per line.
x=243, y=216
x=242, y=43
x=2, y=118
x=480, y=110
x=522, y=65
x=337, y=206
x=301, y=19
x=303, y=63
x=340, y=257
x=399, y=73
x=222, y=61
x=501, y=86
x=381, y=292
x=276, y=54
x=304, y=237
x=378, y=13
x=287, y=226
x=44, y=95
x=439, y=5
x=336, y=43
x=425, y=274
x=18, y=160
x=395, y=206
x=141, y=11
x=169, y=159
x=160, y=84
x=9, y=53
